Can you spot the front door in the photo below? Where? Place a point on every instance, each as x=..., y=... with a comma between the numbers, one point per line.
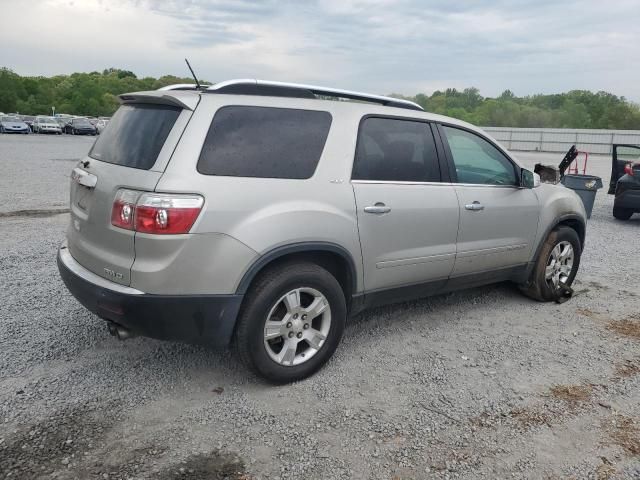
x=622, y=155
x=498, y=218
x=407, y=218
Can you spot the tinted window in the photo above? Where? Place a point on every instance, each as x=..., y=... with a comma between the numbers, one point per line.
x=264, y=142
x=396, y=150
x=477, y=161
x=135, y=135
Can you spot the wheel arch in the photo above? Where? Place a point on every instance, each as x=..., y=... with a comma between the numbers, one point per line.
x=334, y=258
x=572, y=221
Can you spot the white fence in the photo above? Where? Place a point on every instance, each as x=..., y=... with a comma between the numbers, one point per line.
x=560, y=139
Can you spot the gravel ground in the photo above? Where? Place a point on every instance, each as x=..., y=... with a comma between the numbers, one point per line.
x=477, y=384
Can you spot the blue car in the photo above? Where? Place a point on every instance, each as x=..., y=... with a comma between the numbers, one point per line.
x=9, y=124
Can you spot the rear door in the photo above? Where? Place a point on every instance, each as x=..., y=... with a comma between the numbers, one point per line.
x=498, y=218
x=407, y=218
x=622, y=155
x=130, y=154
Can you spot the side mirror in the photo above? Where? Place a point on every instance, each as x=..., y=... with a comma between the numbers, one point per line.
x=528, y=179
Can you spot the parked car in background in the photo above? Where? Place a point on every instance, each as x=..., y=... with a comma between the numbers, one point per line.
x=625, y=181
x=28, y=119
x=62, y=120
x=44, y=124
x=80, y=126
x=13, y=124
x=101, y=125
x=254, y=212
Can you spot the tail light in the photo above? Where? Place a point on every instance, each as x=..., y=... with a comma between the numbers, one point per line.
x=124, y=207
x=156, y=213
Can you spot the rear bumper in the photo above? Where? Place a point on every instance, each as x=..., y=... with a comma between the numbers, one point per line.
x=206, y=319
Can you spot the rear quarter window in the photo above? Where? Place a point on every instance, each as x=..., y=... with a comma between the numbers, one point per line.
x=265, y=142
x=135, y=135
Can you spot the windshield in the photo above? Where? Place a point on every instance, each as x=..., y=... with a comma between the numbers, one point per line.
x=10, y=119
x=136, y=135
x=82, y=122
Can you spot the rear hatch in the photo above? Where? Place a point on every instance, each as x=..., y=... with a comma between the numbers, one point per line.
x=131, y=153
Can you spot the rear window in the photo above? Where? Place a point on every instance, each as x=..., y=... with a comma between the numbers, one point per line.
x=264, y=142
x=135, y=135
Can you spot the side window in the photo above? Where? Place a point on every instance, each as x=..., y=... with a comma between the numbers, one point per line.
x=246, y=141
x=477, y=161
x=396, y=150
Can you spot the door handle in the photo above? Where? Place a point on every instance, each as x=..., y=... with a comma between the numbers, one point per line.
x=378, y=208
x=474, y=206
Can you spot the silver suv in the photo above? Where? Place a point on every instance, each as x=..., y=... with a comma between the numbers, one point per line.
x=265, y=214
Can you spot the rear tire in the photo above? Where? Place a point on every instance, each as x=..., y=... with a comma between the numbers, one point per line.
x=280, y=334
x=622, y=213
x=558, y=262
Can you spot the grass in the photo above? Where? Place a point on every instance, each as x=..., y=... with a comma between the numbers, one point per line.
x=628, y=368
x=629, y=327
x=572, y=394
x=625, y=433
x=531, y=417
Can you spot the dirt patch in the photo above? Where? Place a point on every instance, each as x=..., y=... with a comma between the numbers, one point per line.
x=532, y=416
x=629, y=326
x=624, y=432
x=628, y=368
x=605, y=470
x=57, y=443
x=585, y=312
x=213, y=466
x=572, y=394
x=524, y=417
x=34, y=213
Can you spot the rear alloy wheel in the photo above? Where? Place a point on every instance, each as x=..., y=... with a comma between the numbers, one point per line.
x=556, y=266
x=297, y=326
x=622, y=213
x=291, y=322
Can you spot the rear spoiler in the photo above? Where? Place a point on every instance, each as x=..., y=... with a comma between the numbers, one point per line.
x=177, y=98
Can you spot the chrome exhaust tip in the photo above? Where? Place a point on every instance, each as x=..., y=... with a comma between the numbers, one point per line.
x=120, y=332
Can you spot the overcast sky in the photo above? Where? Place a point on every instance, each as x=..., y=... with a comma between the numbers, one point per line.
x=380, y=46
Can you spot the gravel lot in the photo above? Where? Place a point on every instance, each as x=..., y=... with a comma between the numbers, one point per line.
x=477, y=384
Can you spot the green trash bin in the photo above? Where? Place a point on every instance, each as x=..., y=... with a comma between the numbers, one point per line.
x=586, y=186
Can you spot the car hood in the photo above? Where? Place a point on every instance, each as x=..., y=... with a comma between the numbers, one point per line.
x=49, y=124
x=14, y=124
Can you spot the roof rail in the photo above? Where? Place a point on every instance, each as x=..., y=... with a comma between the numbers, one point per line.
x=281, y=89
x=183, y=86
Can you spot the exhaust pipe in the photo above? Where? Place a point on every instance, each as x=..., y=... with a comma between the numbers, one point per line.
x=120, y=332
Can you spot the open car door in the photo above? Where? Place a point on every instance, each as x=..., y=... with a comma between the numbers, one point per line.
x=622, y=155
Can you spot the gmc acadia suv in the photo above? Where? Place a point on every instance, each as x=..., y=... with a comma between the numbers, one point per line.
x=266, y=213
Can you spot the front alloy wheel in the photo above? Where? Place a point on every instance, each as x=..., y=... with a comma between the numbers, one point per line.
x=559, y=265
x=297, y=326
x=556, y=265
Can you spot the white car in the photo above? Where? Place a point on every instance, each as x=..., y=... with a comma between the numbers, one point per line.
x=101, y=125
x=46, y=125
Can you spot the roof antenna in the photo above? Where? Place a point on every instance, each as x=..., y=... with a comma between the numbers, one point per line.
x=193, y=75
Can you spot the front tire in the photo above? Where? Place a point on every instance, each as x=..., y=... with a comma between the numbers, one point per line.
x=622, y=213
x=557, y=264
x=291, y=322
